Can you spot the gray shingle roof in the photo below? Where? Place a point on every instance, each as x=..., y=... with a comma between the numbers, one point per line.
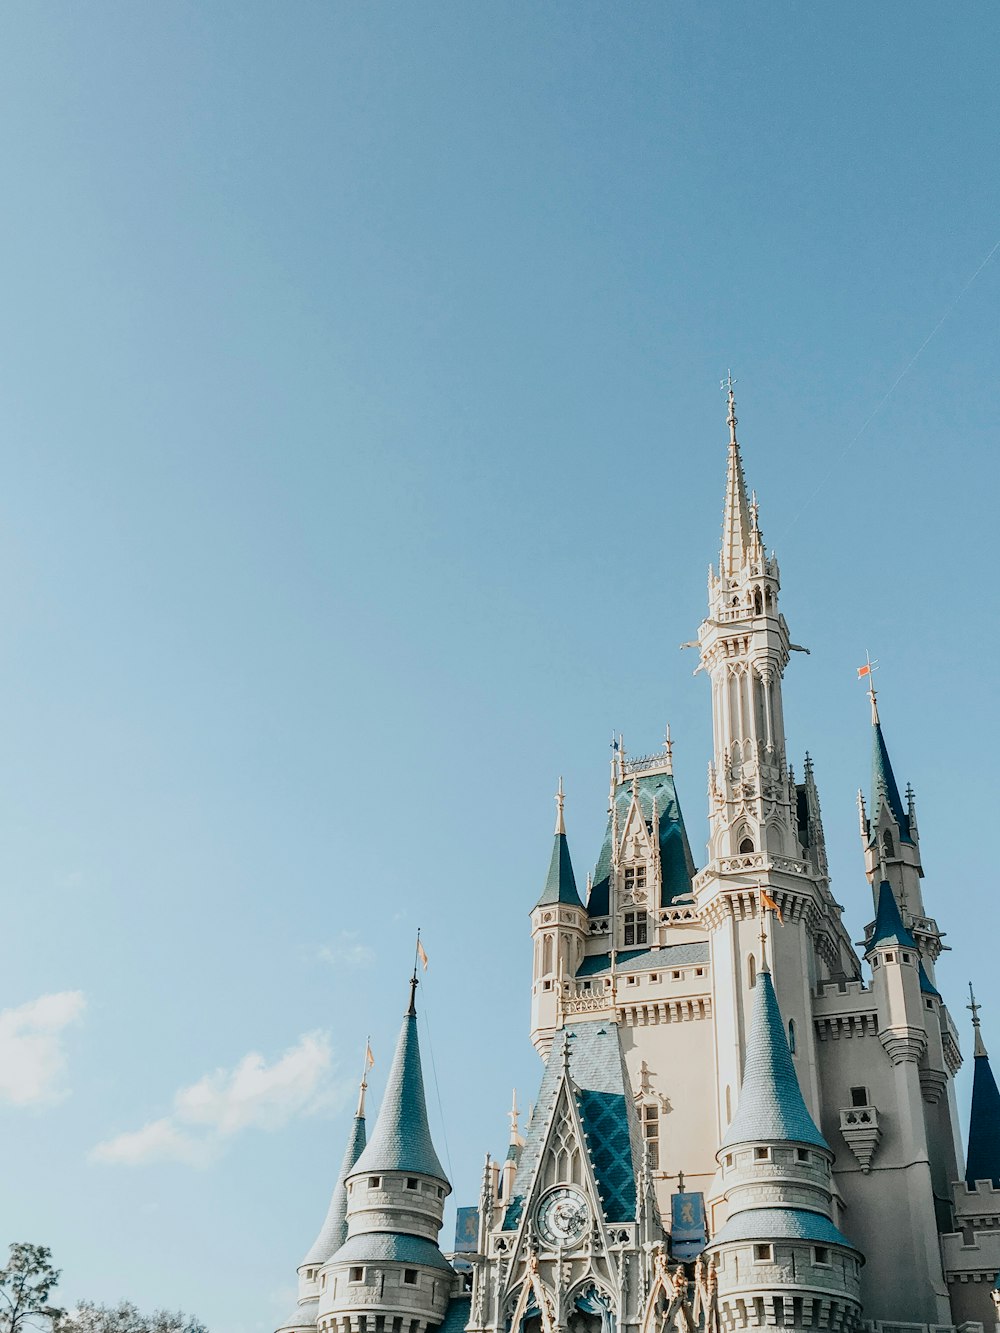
x=303, y=1316
x=333, y=1232
x=884, y=785
x=401, y=1139
x=389, y=1247
x=646, y=960
x=560, y=883
x=771, y=1224
x=770, y=1109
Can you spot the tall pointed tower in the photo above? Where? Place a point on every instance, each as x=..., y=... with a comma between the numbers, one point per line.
x=389, y=1266
x=558, y=932
x=764, y=829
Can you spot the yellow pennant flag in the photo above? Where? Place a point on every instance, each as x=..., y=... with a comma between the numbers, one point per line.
x=421, y=953
x=767, y=901
x=369, y=1058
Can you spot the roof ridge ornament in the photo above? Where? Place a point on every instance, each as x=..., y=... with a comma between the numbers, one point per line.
x=975, y=1006
x=560, y=804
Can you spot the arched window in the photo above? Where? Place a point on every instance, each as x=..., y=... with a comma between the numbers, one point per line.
x=888, y=846
x=751, y=971
x=758, y=604
x=547, y=956
x=746, y=845
x=791, y=1035
x=729, y=1104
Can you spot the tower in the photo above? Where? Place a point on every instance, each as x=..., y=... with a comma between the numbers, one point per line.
x=558, y=930
x=389, y=1266
x=781, y=1258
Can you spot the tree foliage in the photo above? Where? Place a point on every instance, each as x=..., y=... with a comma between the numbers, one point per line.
x=126, y=1318
x=25, y=1287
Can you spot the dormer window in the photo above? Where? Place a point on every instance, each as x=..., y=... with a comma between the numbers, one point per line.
x=636, y=927
x=635, y=879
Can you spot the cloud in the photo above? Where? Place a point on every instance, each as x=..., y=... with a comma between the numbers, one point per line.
x=32, y=1052
x=347, y=951
x=251, y=1095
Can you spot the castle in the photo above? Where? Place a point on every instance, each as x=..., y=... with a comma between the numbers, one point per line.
x=718, y=1018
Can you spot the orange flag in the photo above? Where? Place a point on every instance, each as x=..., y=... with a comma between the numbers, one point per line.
x=767, y=901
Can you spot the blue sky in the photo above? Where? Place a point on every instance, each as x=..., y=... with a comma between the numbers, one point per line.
x=362, y=459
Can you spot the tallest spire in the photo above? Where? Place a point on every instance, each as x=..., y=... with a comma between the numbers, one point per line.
x=736, y=524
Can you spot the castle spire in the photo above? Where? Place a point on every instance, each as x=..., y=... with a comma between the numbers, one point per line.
x=736, y=520
x=884, y=786
x=401, y=1140
x=560, y=883
x=771, y=1108
x=983, y=1159
x=333, y=1232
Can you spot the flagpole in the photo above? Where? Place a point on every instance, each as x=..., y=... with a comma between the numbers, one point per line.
x=360, y=1112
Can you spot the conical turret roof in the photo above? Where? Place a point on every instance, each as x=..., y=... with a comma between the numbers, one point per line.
x=333, y=1232
x=983, y=1160
x=401, y=1139
x=771, y=1108
x=736, y=510
x=884, y=784
x=560, y=883
x=889, y=928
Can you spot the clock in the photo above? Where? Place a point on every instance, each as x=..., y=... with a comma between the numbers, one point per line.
x=563, y=1216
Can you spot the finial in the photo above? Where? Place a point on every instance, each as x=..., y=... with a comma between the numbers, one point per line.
x=565, y=1056
x=414, y=983
x=512, y=1115
x=635, y=786
x=560, y=802
x=668, y=746
x=867, y=672
x=754, y=511
x=621, y=757
x=727, y=384
x=763, y=929
x=980, y=1048
x=369, y=1060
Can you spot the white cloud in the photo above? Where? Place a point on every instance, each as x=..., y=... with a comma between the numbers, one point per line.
x=252, y=1095
x=347, y=951
x=32, y=1051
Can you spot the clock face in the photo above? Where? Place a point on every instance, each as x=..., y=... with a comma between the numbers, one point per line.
x=563, y=1216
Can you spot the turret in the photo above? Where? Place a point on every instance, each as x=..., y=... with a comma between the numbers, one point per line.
x=889, y=830
x=895, y=961
x=983, y=1160
x=558, y=932
x=390, y=1265
x=782, y=1260
x=333, y=1232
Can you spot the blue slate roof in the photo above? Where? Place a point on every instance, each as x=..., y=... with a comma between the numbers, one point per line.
x=676, y=863
x=560, y=883
x=884, y=785
x=389, y=1247
x=776, y=1224
x=770, y=1109
x=983, y=1160
x=888, y=928
x=646, y=960
x=927, y=986
x=333, y=1232
x=401, y=1140
x=457, y=1315
x=604, y=1102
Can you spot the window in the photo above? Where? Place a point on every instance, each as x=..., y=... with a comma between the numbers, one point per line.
x=654, y=976
x=412, y=1183
x=762, y=1154
x=746, y=845
x=791, y=1035
x=651, y=1133
x=890, y=958
x=729, y=1159
x=751, y=971
x=859, y=1096
x=676, y=976
x=887, y=846
x=356, y=1275
x=699, y=971
x=906, y=957
x=763, y=1254
x=374, y=1182
x=635, y=928
x=631, y=981
x=802, y=1154
x=635, y=879
x=409, y=1277
x=821, y=1256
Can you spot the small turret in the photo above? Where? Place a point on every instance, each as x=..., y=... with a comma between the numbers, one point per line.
x=780, y=1254
x=983, y=1160
x=889, y=829
x=558, y=931
x=389, y=1264
x=895, y=962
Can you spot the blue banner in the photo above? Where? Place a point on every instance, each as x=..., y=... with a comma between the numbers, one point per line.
x=687, y=1225
x=466, y=1230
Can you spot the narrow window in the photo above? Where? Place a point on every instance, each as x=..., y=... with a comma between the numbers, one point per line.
x=410, y=1277
x=887, y=844
x=752, y=971
x=640, y=877
x=763, y=1254
x=729, y=1159
x=635, y=928
x=629, y=879
x=651, y=1131
x=791, y=1035
x=859, y=1096
x=729, y=1103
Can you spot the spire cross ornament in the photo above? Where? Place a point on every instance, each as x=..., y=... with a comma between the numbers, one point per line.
x=868, y=670
x=668, y=746
x=560, y=803
x=512, y=1116
x=974, y=1006
x=727, y=384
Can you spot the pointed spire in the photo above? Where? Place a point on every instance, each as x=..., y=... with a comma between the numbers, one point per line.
x=983, y=1160
x=771, y=1108
x=884, y=785
x=888, y=928
x=736, y=519
x=560, y=883
x=333, y=1232
x=401, y=1140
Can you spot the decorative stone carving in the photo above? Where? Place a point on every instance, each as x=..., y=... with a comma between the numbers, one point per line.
x=860, y=1128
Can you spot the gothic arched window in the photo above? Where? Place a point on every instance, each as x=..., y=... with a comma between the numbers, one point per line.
x=751, y=971
x=888, y=846
x=746, y=845
x=791, y=1035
